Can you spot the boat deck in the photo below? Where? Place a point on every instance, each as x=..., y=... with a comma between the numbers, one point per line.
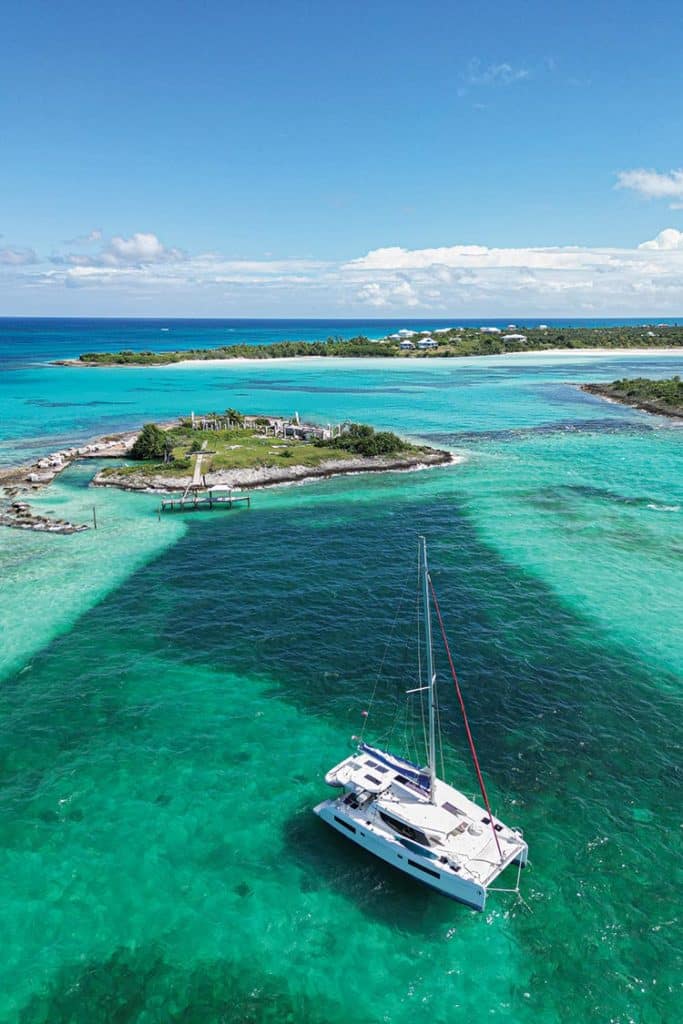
x=451, y=828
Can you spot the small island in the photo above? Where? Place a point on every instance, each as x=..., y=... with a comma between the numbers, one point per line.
x=664, y=397
x=445, y=342
x=233, y=450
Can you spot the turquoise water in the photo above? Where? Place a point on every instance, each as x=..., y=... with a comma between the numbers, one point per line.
x=174, y=691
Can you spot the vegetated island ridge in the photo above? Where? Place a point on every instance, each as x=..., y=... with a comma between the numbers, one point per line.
x=235, y=450
x=664, y=397
x=407, y=344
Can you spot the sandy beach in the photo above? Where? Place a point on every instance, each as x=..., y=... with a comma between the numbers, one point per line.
x=212, y=363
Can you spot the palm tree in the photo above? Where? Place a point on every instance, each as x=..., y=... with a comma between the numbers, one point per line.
x=235, y=418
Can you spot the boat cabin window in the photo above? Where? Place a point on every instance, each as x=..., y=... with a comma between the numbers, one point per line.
x=340, y=821
x=421, y=867
x=404, y=830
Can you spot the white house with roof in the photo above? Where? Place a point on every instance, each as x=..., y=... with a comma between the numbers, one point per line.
x=490, y=330
x=427, y=343
x=405, y=345
x=514, y=337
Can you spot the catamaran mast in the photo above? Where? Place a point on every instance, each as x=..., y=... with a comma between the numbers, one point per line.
x=431, y=681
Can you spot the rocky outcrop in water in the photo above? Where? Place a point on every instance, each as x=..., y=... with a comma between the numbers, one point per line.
x=20, y=516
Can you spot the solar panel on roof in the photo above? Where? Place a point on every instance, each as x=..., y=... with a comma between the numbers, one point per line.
x=450, y=808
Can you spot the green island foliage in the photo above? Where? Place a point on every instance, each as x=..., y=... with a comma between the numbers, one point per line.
x=152, y=443
x=361, y=439
x=468, y=341
x=280, y=350
x=171, y=452
x=664, y=396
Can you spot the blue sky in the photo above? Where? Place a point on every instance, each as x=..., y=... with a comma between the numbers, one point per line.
x=316, y=159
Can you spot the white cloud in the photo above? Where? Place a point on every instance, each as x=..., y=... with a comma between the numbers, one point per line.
x=92, y=236
x=668, y=239
x=140, y=249
x=139, y=271
x=17, y=257
x=567, y=280
x=479, y=256
x=653, y=185
x=494, y=74
x=400, y=294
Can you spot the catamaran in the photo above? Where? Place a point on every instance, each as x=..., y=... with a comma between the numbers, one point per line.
x=407, y=816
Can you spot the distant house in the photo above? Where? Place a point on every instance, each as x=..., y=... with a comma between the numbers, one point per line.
x=405, y=333
x=543, y=327
x=490, y=330
x=514, y=337
x=427, y=343
x=511, y=327
x=443, y=330
x=395, y=337
x=405, y=345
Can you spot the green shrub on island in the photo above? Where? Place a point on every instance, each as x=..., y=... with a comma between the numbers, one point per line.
x=361, y=439
x=658, y=396
x=151, y=443
x=667, y=392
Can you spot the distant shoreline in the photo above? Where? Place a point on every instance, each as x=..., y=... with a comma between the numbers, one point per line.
x=414, y=357
x=408, y=344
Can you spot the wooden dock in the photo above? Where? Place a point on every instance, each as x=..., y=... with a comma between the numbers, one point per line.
x=198, y=500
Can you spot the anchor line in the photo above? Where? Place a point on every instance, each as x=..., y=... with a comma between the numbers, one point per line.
x=470, y=738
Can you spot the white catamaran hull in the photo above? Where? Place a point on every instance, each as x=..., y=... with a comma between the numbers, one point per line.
x=422, y=869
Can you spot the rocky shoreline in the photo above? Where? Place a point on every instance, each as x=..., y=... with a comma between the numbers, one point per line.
x=610, y=395
x=17, y=481
x=44, y=470
x=268, y=476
